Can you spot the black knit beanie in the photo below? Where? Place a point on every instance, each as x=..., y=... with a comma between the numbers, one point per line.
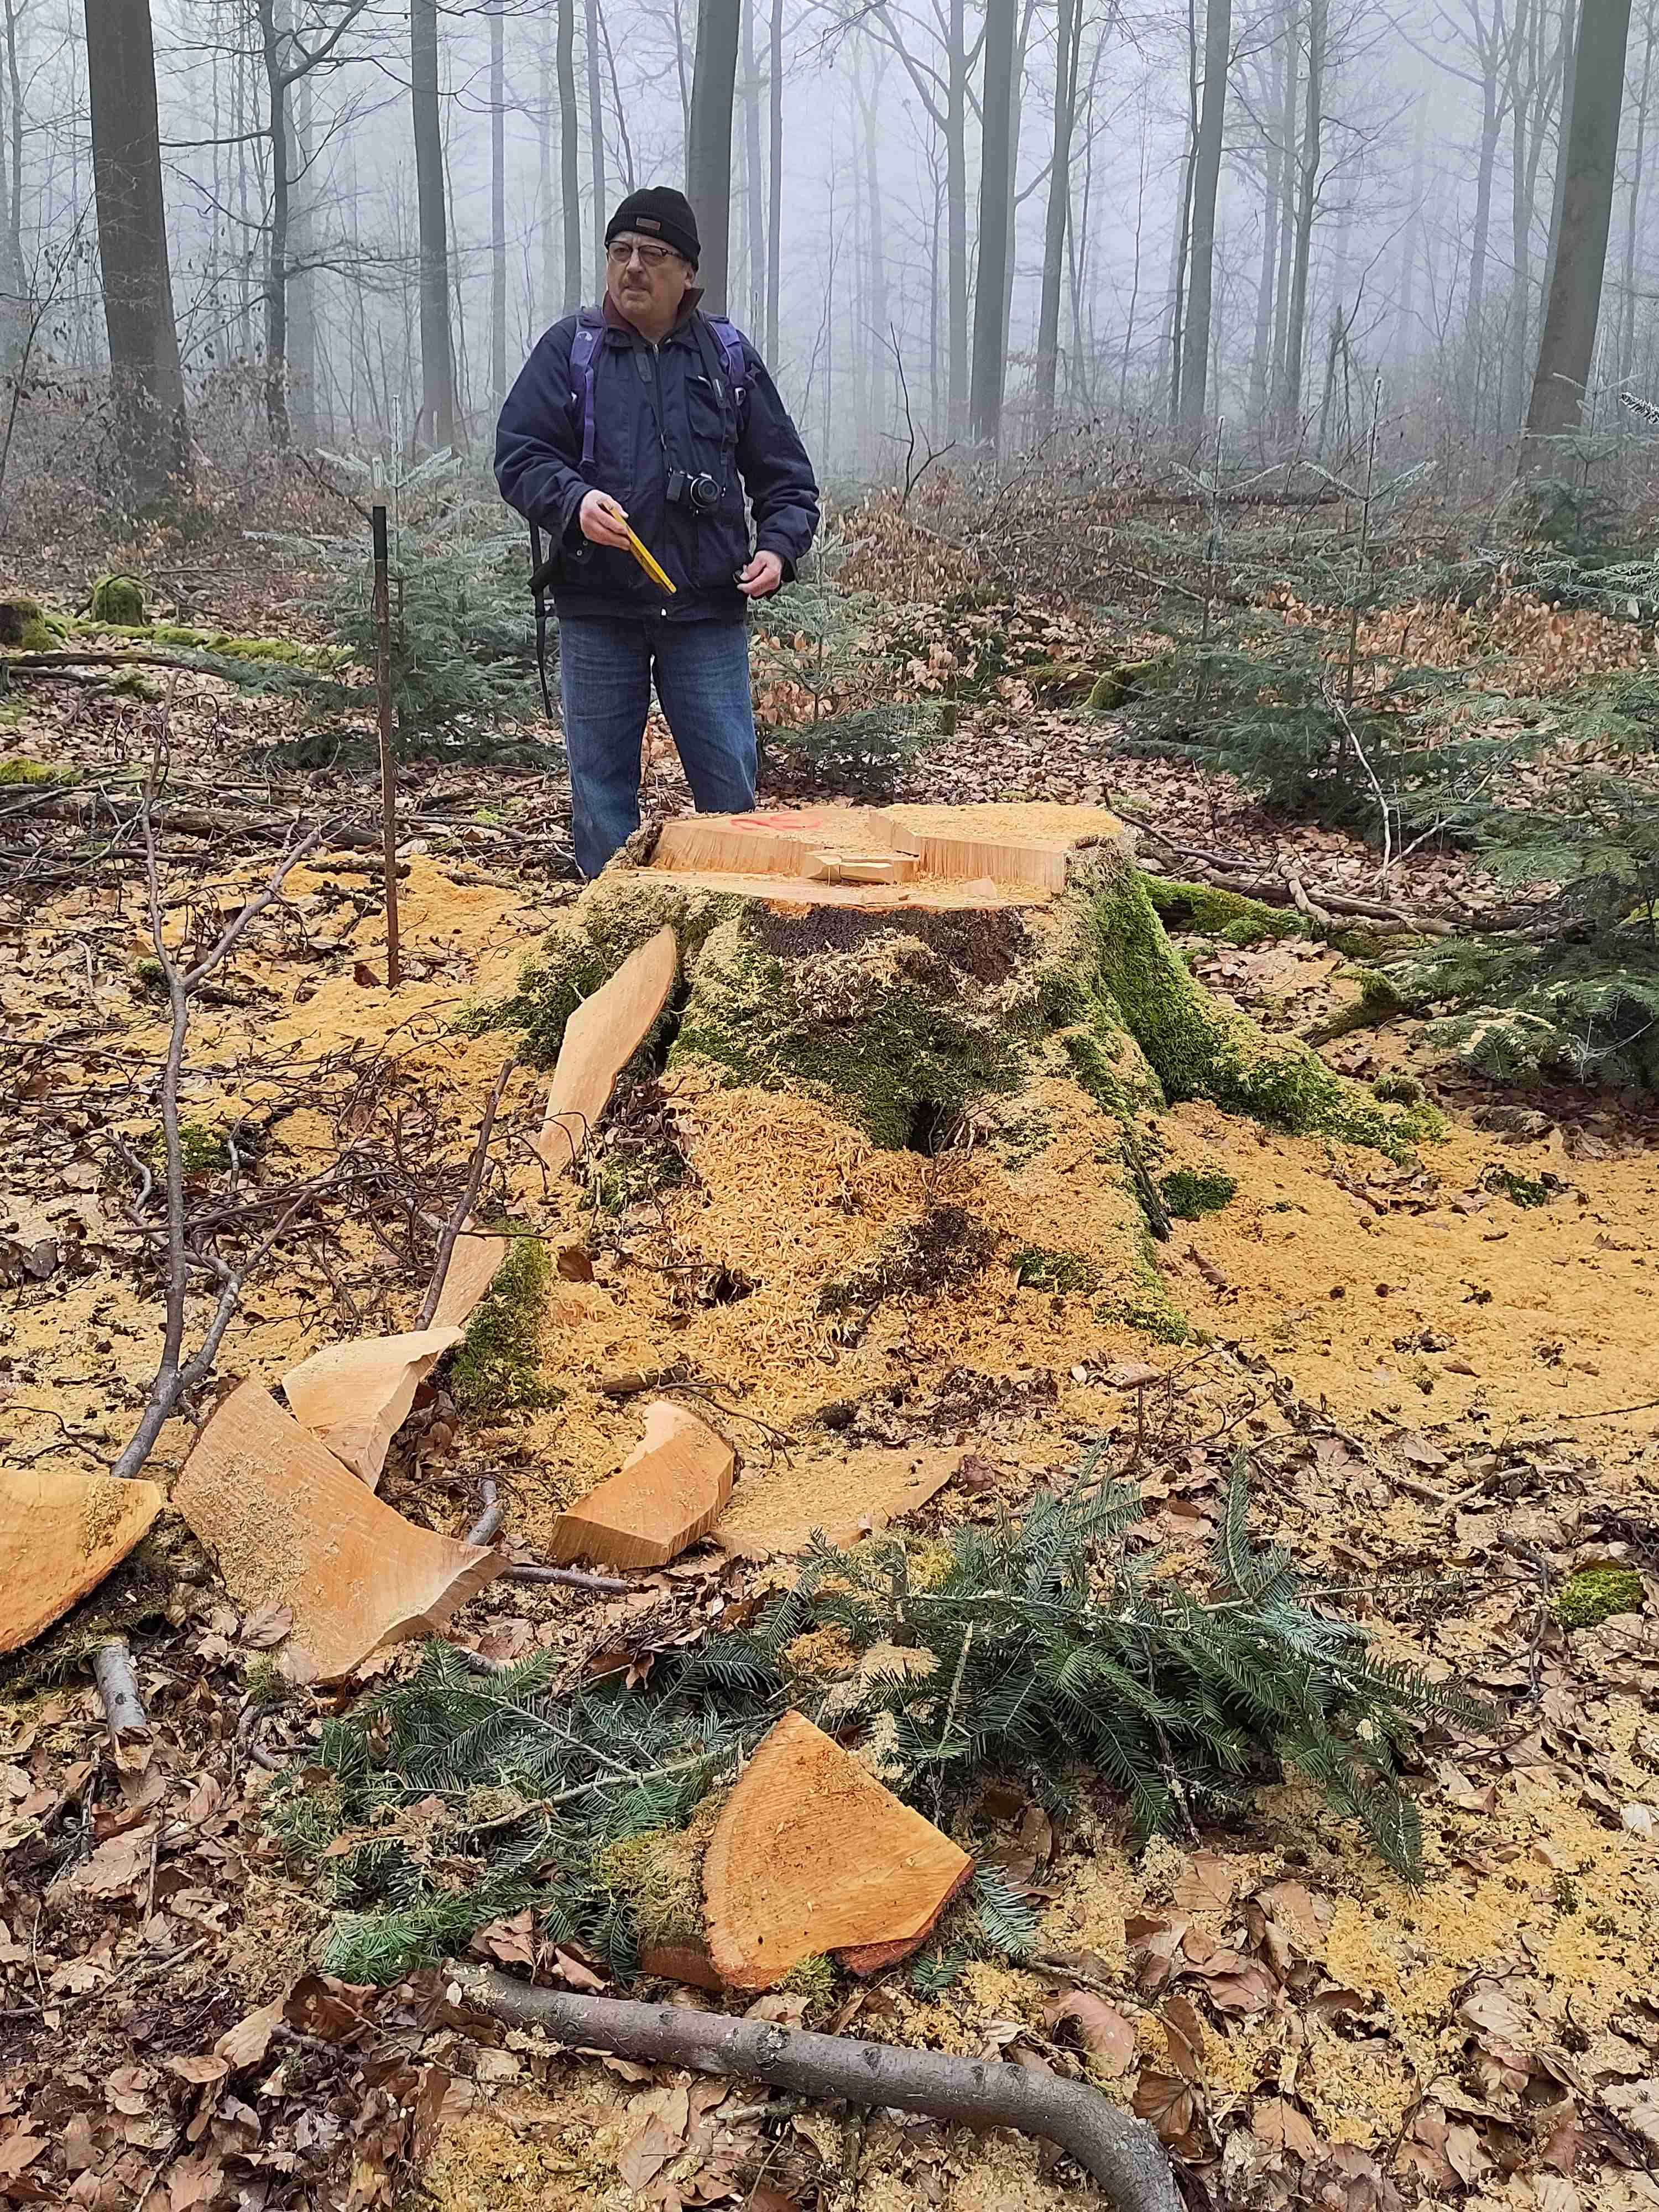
x=659, y=211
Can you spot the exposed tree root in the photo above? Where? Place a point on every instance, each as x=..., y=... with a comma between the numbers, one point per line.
x=1123, y=2154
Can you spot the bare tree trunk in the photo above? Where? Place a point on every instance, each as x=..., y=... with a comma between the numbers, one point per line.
x=437, y=354
x=1206, y=177
x=596, y=142
x=985, y=396
x=570, y=191
x=878, y=316
x=1288, y=129
x=144, y=341
x=1627, y=340
x=1067, y=42
x=302, y=276
x=1568, y=342
x=1261, y=378
x=1405, y=336
x=497, y=207
x=775, y=226
x=1306, y=206
x=956, y=190
x=552, y=282
x=1563, y=133
x=1183, y=237
x=753, y=178
x=709, y=150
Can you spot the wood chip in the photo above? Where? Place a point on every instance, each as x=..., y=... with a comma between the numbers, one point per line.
x=287, y=1525
x=356, y=1397
x=600, y=1038
x=60, y=1534
x=845, y=1496
x=669, y=1491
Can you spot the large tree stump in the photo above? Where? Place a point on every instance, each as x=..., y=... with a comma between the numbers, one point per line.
x=900, y=964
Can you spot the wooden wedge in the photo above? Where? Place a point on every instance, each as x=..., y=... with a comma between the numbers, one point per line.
x=600, y=1038
x=356, y=1397
x=843, y=1493
x=812, y=1855
x=669, y=1491
x=473, y=1266
x=288, y=1526
x=60, y=1534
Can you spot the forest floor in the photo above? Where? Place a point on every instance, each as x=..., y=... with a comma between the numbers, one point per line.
x=1428, y=1369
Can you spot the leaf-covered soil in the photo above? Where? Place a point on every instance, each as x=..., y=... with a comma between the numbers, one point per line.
x=1439, y=1368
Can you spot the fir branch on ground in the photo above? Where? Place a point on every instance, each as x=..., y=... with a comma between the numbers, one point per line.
x=1035, y=1647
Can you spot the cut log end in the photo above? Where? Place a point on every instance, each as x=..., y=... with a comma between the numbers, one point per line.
x=670, y=1490
x=812, y=1855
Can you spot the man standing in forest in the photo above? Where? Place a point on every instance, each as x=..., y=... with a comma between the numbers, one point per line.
x=648, y=412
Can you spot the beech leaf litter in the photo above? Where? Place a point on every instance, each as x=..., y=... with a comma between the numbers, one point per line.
x=1432, y=1379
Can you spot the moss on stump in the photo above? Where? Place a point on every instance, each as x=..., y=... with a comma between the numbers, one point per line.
x=118, y=599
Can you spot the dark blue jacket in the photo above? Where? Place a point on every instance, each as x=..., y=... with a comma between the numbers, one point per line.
x=655, y=408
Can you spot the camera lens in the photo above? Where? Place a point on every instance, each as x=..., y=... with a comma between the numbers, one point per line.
x=704, y=493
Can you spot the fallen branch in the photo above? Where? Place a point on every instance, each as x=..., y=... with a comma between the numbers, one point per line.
x=1123, y=2154
x=176, y=1375
x=124, y=1708
x=574, y=1577
x=469, y=1199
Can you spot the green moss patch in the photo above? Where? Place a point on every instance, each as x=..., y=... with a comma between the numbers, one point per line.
x=118, y=600
x=891, y=1034
x=1228, y=916
x=21, y=770
x=497, y=1369
x=1587, y=1599
x=1189, y=1192
x=1037, y=1269
x=1201, y=1050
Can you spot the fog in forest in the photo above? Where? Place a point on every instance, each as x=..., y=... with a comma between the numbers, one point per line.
x=1385, y=187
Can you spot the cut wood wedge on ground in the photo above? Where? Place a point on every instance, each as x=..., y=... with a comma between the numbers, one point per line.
x=669, y=1491
x=812, y=1855
x=600, y=1038
x=60, y=1534
x=287, y=1526
x=472, y=1268
x=356, y=1397
x=845, y=1496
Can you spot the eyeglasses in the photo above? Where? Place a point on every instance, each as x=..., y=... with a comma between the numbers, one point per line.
x=653, y=256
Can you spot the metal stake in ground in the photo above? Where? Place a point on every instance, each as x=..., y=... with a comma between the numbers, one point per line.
x=388, y=765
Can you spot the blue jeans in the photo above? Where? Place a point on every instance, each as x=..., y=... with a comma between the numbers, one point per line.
x=605, y=669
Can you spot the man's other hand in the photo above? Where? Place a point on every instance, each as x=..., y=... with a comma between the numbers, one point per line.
x=604, y=521
x=762, y=577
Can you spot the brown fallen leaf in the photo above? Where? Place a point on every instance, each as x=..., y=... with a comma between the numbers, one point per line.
x=1101, y=2030
x=1206, y=1884
x=1278, y=2125
x=246, y=2044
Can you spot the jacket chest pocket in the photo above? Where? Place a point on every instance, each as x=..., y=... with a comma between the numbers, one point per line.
x=706, y=418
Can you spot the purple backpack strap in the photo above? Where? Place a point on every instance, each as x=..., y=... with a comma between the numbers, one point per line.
x=584, y=354
x=729, y=339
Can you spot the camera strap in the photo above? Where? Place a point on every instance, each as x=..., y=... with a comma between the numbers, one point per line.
x=538, y=581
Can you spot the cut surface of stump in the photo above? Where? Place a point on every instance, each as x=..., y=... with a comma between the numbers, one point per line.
x=600, y=1038
x=356, y=1397
x=812, y=1855
x=60, y=1534
x=288, y=1526
x=884, y=858
x=669, y=1491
